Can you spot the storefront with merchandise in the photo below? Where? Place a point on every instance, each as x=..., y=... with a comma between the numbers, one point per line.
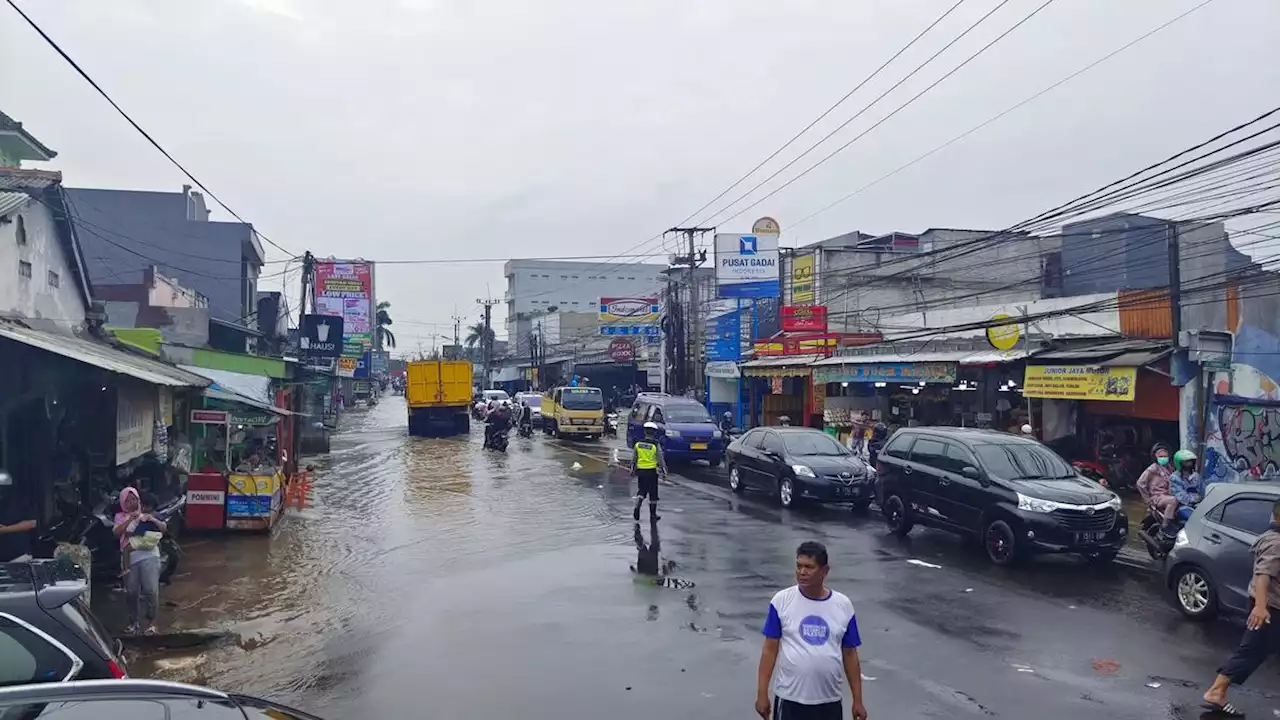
x=1107, y=404
x=778, y=386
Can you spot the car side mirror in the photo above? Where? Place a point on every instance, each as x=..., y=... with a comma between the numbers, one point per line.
x=971, y=472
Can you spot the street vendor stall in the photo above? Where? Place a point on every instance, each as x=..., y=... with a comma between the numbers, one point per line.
x=238, y=485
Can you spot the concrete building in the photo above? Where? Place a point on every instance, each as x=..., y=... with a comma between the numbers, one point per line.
x=126, y=232
x=536, y=288
x=862, y=278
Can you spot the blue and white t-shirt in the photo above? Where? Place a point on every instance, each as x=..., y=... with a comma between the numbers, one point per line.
x=812, y=635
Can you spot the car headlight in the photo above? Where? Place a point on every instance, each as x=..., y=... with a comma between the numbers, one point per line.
x=1031, y=504
x=803, y=471
x=673, y=433
x=1114, y=502
x=717, y=434
x=1181, y=538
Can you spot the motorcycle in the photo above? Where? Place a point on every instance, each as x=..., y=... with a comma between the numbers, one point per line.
x=526, y=430
x=611, y=424
x=1158, y=542
x=495, y=439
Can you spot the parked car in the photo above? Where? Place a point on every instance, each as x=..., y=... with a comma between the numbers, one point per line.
x=135, y=700
x=1016, y=496
x=687, y=431
x=494, y=395
x=47, y=632
x=1210, y=567
x=796, y=464
x=534, y=401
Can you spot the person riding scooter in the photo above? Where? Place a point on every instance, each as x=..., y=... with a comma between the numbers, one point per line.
x=526, y=419
x=879, y=436
x=1185, y=483
x=726, y=423
x=497, y=421
x=1154, y=484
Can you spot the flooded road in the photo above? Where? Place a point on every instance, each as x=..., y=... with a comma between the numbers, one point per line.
x=433, y=579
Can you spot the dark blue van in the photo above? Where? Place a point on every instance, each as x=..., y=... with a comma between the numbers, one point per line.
x=686, y=430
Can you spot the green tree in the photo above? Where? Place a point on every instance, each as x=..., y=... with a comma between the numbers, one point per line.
x=386, y=339
x=476, y=334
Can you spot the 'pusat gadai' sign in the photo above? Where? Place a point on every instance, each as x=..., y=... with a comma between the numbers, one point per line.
x=746, y=266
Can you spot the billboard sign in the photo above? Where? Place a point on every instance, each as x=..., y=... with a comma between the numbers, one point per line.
x=724, y=337
x=321, y=337
x=803, y=289
x=621, y=350
x=746, y=266
x=1080, y=382
x=804, y=318
x=630, y=315
x=345, y=289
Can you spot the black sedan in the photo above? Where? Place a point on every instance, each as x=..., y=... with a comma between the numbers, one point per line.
x=796, y=464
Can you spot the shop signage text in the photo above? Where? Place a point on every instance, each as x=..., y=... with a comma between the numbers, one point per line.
x=803, y=291
x=345, y=289
x=1079, y=382
x=135, y=420
x=321, y=337
x=347, y=366
x=906, y=372
x=210, y=417
x=804, y=318
x=746, y=265
x=206, y=497
x=629, y=315
x=724, y=336
x=1004, y=336
x=818, y=344
x=621, y=350
x=722, y=369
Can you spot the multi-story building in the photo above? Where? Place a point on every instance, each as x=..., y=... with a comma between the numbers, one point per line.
x=536, y=288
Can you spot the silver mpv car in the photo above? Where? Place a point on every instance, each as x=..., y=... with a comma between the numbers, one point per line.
x=1211, y=565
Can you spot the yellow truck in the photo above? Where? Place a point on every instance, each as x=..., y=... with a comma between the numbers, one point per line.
x=438, y=393
x=573, y=412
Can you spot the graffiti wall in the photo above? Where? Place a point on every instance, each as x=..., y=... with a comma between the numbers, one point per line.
x=1242, y=433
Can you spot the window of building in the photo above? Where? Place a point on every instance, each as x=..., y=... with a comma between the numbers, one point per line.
x=24, y=269
x=22, y=231
x=54, y=280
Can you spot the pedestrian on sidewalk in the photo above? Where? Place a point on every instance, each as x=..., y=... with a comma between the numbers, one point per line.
x=647, y=465
x=1261, y=637
x=810, y=647
x=140, y=533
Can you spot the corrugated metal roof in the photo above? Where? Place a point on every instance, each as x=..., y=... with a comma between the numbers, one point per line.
x=255, y=387
x=783, y=361
x=1101, y=351
x=11, y=202
x=103, y=356
x=964, y=357
x=1136, y=359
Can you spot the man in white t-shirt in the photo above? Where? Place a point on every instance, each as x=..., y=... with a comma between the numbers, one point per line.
x=810, y=647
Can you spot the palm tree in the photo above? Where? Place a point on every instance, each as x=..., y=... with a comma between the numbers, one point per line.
x=385, y=337
x=476, y=333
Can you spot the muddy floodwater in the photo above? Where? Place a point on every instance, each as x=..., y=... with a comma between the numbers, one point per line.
x=433, y=579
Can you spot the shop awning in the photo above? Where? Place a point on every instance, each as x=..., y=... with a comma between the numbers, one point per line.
x=251, y=390
x=781, y=366
x=101, y=355
x=962, y=357
x=1120, y=353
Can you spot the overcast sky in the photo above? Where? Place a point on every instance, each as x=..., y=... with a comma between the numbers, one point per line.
x=497, y=128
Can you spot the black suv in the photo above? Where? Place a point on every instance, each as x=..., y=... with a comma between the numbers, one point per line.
x=1015, y=495
x=47, y=633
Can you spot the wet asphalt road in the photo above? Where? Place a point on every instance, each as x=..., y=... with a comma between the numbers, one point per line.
x=433, y=579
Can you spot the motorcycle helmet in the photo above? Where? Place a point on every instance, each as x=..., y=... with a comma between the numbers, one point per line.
x=1184, y=456
x=651, y=428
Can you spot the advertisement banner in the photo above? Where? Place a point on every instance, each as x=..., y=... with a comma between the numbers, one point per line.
x=928, y=372
x=746, y=266
x=804, y=318
x=816, y=344
x=135, y=420
x=364, y=364
x=345, y=289
x=724, y=337
x=320, y=337
x=621, y=350
x=629, y=315
x=802, y=280
x=347, y=366
x=1079, y=382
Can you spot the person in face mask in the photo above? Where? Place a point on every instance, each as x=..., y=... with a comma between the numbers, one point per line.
x=1154, y=484
x=17, y=521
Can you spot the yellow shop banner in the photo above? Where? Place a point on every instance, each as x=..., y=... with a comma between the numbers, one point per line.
x=1080, y=382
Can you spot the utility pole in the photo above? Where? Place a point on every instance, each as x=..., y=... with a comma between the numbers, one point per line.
x=457, y=342
x=308, y=267
x=486, y=345
x=692, y=320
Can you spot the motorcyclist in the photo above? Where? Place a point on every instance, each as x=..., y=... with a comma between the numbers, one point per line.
x=784, y=420
x=1154, y=484
x=1185, y=483
x=498, y=421
x=879, y=436
x=726, y=423
x=526, y=417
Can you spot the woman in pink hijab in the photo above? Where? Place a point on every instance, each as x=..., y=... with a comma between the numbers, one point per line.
x=138, y=533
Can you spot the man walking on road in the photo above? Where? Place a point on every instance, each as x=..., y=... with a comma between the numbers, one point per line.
x=1261, y=637
x=647, y=464
x=810, y=640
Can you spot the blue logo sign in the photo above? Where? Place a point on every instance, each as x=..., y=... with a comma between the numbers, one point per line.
x=747, y=245
x=724, y=337
x=814, y=630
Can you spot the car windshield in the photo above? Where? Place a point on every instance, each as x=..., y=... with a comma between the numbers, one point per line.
x=1023, y=461
x=532, y=401
x=582, y=399
x=683, y=413
x=814, y=443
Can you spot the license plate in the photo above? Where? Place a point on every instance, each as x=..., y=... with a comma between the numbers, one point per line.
x=843, y=491
x=697, y=446
x=1089, y=537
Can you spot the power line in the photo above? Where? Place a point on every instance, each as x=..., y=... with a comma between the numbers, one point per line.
x=154, y=143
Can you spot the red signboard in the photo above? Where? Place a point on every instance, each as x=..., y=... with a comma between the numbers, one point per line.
x=622, y=351
x=804, y=318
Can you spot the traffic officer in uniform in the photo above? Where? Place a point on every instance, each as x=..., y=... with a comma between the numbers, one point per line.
x=647, y=464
